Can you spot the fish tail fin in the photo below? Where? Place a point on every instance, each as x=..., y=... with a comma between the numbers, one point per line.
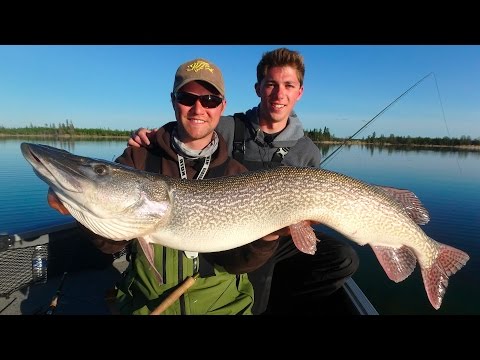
x=435, y=278
x=398, y=263
x=304, y=237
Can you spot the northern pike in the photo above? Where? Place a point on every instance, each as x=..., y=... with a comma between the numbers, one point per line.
x=122, y=203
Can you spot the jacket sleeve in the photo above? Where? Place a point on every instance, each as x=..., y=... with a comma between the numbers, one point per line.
x=244, y=259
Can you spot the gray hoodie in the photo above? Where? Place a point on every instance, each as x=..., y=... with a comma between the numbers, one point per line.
x=303, y=152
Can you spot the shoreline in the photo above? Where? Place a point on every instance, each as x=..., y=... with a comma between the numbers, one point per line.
x=66, y=137
x=125, y=138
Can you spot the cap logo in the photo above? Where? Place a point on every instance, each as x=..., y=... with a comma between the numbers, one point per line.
x=199, y=65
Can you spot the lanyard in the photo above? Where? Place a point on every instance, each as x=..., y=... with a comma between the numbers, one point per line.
x=183, y=174
x=183, y=170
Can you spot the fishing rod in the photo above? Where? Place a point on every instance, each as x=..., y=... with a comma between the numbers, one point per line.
x=372, y=119
x=54, y=302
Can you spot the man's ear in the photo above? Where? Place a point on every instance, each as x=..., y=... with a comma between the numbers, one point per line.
x=172, y=98
x=257, y=89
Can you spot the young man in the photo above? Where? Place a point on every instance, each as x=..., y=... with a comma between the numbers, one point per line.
x=188, y=148
x=270, y=135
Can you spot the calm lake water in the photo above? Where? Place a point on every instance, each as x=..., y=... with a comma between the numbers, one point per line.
x=447, y=182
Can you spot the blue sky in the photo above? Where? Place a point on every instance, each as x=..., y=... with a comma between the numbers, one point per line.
x=128, y=86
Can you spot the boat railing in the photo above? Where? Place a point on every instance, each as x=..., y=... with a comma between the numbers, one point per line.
x=358, y=298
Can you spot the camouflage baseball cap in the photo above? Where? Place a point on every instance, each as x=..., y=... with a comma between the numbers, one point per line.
x=199, y=69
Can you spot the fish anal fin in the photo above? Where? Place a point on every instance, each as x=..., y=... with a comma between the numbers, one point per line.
x=398, y=263
x=148, y=250
x=435, y=278
x=304, y=237
x=410, y=202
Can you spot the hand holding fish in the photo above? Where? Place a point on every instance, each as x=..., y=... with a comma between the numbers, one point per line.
x=277, y=234
x=55, y=202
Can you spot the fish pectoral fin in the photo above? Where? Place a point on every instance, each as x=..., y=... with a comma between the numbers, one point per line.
x=398, y=263
x=304, y=237
x=410, y=202
x=435, y=278
x=149, y=252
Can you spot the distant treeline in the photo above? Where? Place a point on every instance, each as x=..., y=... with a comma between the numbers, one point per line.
x=64, y=130
x=319, y=135
x=68, y=130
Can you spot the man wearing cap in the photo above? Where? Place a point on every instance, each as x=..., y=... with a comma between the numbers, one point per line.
x=188, y=148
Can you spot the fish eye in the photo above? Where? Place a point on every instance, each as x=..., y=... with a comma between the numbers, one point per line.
x=100, y=170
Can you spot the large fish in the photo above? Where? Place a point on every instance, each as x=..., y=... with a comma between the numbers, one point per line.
x=121, y=203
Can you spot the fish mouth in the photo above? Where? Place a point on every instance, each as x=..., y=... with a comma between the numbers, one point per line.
x=54, y=166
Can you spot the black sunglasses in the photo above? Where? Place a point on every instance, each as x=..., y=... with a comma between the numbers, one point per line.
x=188, y=99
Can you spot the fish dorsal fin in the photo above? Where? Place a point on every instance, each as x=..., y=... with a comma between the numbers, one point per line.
x=410, y=202
x=149, y=252
x=398, y=263
x=304, y=237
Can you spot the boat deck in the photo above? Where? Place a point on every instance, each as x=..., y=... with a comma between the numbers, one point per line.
x=82, y=293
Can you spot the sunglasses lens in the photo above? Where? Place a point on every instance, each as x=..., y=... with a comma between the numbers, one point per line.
x=185, y=98
x=207, y=101
x=210, y=101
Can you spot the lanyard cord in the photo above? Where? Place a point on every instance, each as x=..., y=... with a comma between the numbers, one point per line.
x=183, y=170
x=183, y=175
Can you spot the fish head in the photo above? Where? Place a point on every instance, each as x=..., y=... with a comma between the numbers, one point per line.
x=111, y=199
